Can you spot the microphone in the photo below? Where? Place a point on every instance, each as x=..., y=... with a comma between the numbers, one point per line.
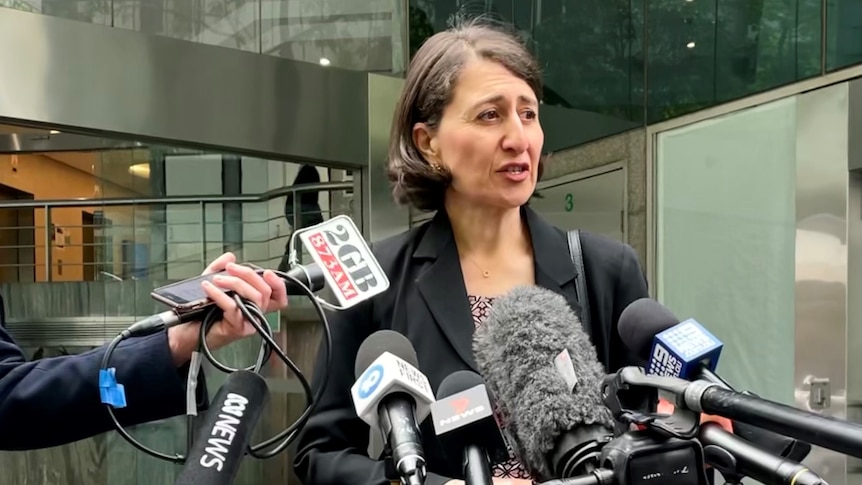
x=676, y=349
x=342, y=261
x=832, y=433
x=728, y=453
x=225, y=432
x=543, y=369
x=652, y=331
x=736, y=458
x=391, y=395
x=465, y=426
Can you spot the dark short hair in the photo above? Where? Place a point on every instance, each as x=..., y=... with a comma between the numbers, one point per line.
x=428, y=89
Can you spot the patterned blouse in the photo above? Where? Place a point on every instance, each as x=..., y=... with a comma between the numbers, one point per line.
x=481, y=307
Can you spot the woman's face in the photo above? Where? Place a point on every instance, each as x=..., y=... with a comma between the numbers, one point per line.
x=489, y=137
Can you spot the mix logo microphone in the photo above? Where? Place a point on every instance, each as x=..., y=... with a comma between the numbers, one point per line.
x=683, y=349
x=350, y=269
x=551, y=400
x=225, y=432
x=392, y=396
x=466, y=428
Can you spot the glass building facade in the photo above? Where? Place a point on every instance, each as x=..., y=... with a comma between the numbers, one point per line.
x=139, y=139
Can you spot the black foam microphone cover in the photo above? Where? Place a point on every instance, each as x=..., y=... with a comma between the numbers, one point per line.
x=225, y=432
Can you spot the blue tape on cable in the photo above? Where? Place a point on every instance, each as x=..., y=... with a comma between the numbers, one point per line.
x=111, y=392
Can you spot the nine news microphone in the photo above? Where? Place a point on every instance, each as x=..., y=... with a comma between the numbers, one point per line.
x=391, y=395
x=466, y=428
x=225, y=432
x=689, y=351
x=542, y=367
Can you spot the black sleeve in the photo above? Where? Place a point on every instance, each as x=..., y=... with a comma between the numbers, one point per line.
x=61, y=394
x=333, y=446
x=631, y=285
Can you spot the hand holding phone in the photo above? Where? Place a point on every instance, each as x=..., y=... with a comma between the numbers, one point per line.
x=222, y=278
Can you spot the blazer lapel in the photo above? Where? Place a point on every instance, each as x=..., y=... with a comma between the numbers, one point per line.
x=554, y=268
x=442, y=287
x=441, y=282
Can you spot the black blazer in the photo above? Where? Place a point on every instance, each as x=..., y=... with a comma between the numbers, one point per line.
x=61, y=394
x=427, y=302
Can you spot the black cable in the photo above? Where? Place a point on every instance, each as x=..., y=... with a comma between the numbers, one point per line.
x=255, y=316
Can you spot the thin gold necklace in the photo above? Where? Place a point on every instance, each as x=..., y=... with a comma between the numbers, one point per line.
x=485, y=274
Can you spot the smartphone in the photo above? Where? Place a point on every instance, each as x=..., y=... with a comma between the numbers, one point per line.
x=188, y=295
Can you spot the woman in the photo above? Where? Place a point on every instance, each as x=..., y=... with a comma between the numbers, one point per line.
x=466, y=142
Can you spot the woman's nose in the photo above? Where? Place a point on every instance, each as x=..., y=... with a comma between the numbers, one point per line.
x=515, y=139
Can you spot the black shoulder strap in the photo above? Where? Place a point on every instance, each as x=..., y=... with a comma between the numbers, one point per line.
x=580, y=279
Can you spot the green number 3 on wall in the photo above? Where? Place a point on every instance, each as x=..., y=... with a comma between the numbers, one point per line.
x=569, y=204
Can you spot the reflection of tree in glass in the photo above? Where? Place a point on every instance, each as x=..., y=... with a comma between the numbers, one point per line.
x=22, y=5
x=178, y=19
x=699, y=53
x=420, y=28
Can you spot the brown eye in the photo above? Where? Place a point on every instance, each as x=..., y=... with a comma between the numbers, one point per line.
x=489, y=115
x=529, y=114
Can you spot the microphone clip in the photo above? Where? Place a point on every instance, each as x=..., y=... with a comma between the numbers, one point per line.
x=630, y=389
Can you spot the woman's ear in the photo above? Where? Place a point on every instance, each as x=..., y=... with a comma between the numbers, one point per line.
x=425, y=142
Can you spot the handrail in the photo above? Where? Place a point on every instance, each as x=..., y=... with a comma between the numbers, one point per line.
x=185, y=199
x=201, y=201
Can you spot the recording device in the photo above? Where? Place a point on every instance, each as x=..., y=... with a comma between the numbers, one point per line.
x=705, y=397
x=557, y=422
x=466, y=428
x=391, y=395
x=734, y=456
x=187, y=296
x=225, y=433
x=650, y=329
x=543, y=369
x=342, y=261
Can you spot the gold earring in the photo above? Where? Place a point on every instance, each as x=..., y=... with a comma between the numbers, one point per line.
x=436, y=166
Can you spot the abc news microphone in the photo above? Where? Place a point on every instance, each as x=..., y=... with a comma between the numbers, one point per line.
x=465, y=426
x=392, y=396
x=225, y=433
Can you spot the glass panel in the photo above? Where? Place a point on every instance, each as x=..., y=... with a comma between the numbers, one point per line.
x=112, y=236
x=225, y=23
x=90, y=11
x=594, y=81
x=726, y=232
x=706, y=52
x=588, y=50
x=843, y=33
x=358, y=35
